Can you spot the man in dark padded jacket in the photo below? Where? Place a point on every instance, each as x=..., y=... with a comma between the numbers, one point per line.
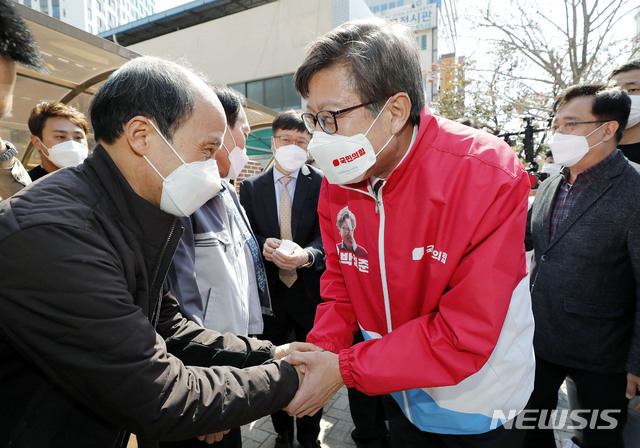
x=91, y=348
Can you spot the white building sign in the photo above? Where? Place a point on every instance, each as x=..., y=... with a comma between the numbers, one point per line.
x=418, y=18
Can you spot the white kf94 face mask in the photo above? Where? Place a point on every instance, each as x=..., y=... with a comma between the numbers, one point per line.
x=189, y=186
x=291, y=157
x=569, y=149
x=634, y=115
x=238, y=158
x=345, y=160
x=66, y=154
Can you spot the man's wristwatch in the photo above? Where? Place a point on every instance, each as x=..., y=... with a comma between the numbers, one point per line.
x=309, y=260
x=10, y=152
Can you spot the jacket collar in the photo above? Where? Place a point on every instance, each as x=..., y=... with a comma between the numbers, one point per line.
x=591, y=193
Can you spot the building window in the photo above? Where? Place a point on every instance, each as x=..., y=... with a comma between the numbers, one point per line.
x=44, y=6
x=392, y=5
x=383, y=7
x=277, y=93
x=240, y=87
x=89, y=14
x=27, y=3
x=423, y=42
x=90, y=28
x=375, y=9
x=99, y=6
x=400, y=3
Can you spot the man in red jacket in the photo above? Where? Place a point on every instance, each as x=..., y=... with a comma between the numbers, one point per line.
x=444, y=303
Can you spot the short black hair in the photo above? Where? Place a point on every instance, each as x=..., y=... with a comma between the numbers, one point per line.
x=16, y=41
x=288, y=121
x=609, y=103
x=150, y=87
x=232, y=102
x=632, y=64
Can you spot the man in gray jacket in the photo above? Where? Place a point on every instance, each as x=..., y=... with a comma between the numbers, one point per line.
x=91, y=348
x=585, y=276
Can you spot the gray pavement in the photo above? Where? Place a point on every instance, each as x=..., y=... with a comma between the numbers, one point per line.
x=336, y=425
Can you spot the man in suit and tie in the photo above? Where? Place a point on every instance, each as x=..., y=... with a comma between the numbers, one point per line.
x=585, y=276
x=282, y=205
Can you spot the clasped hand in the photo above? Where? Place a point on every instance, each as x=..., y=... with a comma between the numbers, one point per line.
x=282, y=260
x=322, y=379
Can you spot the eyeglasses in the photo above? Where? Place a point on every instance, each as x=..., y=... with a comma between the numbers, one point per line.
x=286, y=141
x=327, y=119
x=570, y=126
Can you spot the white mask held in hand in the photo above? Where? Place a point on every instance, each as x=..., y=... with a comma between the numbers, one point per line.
x=66, y=154
x=569, y=149
x=238, y=158
x=189, y=186
x=634, y=115
x=290, y=157
x=345, y=160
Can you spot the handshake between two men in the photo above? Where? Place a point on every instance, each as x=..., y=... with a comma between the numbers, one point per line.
x=319, y=380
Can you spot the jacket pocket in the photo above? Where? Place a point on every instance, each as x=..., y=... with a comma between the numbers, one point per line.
x=590, y=310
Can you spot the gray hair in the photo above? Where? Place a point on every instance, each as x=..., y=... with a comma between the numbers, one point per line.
x=381, y=58
x=155, y=88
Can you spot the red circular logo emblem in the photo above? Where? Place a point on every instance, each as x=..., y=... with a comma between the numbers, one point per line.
x=336, y=162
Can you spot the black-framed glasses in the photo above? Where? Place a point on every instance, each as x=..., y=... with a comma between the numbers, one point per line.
x=327, y=119
x=570, y=126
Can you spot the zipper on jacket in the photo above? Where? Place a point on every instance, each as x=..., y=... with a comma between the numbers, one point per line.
x=156, y=272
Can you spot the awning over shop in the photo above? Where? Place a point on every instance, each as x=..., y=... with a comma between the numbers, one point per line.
x=178, y=18
x=78, y=64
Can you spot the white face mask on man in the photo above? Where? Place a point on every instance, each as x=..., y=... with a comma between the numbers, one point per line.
x=238, y=158
x=569, y=149
x=634, y=115
x=189, y=186
x=345, y=160
x=66, y=154
x=290, y=157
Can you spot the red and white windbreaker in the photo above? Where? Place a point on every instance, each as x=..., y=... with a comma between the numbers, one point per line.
x=440, y=291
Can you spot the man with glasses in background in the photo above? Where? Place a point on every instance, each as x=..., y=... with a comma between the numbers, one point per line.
x=281, y=205
x=586, y=269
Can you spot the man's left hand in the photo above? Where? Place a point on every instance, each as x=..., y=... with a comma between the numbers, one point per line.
x=322, y=379
x=290, y=261
x=633, y=385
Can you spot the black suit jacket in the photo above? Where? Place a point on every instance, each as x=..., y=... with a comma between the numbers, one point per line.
x=258, y=197
x=585, y=281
